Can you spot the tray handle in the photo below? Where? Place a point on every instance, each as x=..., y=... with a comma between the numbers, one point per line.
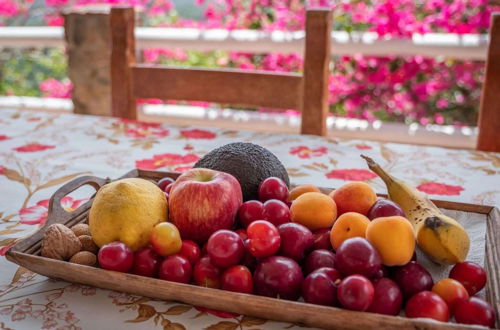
x=56, y=212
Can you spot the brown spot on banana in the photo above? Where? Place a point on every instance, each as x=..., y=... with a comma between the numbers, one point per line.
x=434, y=222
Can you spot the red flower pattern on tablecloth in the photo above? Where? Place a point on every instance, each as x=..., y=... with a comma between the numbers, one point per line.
x=33, y=147
x=435, y=188
x=37, y=214
x=221, y=314
x=3, y=137
x=163, y=160
x=6, y=248
x=182, y=168
x=139, y=123
x=363, y=147
x=2, y=169
x=139, y=130
x=351, y=174
x=198, y=134
x=146, y=131
x=306, y=152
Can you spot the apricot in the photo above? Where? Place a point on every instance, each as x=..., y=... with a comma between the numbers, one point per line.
x=451, y=291
x=302, y=189
x=348, y=225
x=354, y=197
x=313, y=210
x=394, y=239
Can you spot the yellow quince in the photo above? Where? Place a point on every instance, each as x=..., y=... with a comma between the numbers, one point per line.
x=126, y=210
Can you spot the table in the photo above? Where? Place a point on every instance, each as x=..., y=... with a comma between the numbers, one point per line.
x=40, y=151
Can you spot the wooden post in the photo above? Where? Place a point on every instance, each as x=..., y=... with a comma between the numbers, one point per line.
x=489, y=109
x=122, y=57
x=86, y=35
x=316, y=71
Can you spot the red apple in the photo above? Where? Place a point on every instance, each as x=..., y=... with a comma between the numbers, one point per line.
x=203, y=201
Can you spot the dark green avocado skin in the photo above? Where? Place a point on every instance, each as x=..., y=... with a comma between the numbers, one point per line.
x=249, y=163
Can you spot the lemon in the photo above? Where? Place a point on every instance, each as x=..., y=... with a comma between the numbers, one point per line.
x=126, y=210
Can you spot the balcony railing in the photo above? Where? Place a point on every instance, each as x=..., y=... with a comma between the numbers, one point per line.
x=468, y=46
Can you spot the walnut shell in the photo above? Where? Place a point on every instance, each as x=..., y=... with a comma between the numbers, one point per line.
x=88, y=244
x=84, y=258
x=81, y=229
x=59, y=242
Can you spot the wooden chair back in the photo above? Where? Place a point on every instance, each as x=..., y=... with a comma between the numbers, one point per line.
x=489, y=110
x=307, y=92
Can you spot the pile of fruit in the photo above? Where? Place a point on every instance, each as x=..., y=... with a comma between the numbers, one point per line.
x=347, y=248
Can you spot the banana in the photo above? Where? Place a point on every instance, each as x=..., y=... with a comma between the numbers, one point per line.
x=440, y=237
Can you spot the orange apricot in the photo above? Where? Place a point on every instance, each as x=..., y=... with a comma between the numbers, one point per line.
x=451, y=291
x=394, y=239
x=348, y=225
x=354, y=197
x=302, y=189
x=313, y=210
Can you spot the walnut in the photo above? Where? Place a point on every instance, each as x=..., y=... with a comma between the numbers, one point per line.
x=84, y=258
x=81, y=229
x=59, y=242
x=88, y=244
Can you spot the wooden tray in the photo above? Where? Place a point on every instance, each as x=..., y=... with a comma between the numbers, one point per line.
x=26, y=253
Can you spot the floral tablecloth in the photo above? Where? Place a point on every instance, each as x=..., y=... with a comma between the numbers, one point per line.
x=39, y=152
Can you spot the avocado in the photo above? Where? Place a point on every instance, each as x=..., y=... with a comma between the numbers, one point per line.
x=249, y=163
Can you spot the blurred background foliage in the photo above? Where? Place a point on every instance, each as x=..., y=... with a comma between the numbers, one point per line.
x=404, y=89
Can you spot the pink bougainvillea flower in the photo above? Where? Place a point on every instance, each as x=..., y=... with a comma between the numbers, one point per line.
x=55, y=88
x=363, y=147
x=163, y=160
x=197, y=134
x=8, y=8
x=351, y=174
x=146, y=131
x=37, y=214
x=221, y=314
x=435, y=188
x=306, y=152
x=3, y=137
x=33, y=147
x=54, y=20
